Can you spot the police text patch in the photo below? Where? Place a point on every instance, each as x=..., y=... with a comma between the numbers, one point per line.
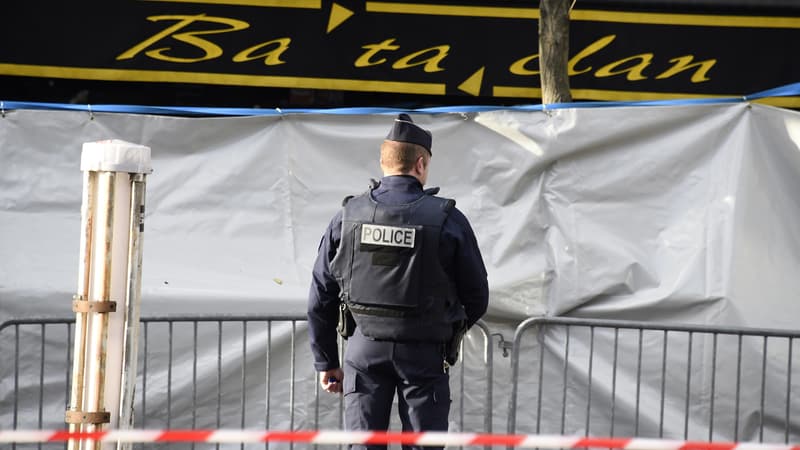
x=387, y=235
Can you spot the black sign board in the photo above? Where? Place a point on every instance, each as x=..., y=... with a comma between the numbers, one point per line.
x=483, y=51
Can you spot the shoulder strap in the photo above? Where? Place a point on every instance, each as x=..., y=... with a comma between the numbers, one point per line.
x=373, y=184
x=448, y=203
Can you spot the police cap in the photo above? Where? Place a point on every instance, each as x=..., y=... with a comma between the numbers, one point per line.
x=405, y=130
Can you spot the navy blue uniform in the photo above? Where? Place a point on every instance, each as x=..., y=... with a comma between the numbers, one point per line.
x=375, y=369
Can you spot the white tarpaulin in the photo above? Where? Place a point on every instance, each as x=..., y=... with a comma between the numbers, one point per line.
x=665, y=213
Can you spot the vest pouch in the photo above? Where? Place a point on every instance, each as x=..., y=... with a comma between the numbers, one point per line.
x=388, y=264
x=346, y=325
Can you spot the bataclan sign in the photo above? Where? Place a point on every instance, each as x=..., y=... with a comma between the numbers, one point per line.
x=476, y=49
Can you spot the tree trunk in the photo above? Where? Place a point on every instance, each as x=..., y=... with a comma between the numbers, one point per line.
x=554, y=50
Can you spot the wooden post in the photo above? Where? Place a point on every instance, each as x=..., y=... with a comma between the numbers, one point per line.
x=112, y=216
x=84, y=270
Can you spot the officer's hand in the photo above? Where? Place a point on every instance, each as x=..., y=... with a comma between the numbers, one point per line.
x=331, y=380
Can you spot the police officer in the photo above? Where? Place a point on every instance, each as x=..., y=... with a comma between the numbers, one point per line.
x=406, y=265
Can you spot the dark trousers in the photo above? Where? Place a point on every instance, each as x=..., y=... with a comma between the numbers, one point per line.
x=375, y=370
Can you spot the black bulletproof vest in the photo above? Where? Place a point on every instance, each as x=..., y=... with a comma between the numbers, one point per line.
x=387, y=266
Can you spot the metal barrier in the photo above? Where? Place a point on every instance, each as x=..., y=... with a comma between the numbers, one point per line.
x=577, y=377
x=621, y=378
x=212, y=373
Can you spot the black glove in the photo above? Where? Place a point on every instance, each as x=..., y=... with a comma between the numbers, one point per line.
x=454, y=345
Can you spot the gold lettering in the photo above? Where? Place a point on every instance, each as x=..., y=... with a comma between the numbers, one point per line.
x=634, y=72
x=209, y=49
x=431, y=64
x=683, y=63
x=372, y=50
x=633, y=66
x=595, y=47
x=271, y=57
x=518, y=68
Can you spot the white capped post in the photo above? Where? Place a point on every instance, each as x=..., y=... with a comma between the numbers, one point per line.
x=109, y=288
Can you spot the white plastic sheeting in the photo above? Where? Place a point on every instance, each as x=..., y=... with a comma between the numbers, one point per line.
x=667, y=213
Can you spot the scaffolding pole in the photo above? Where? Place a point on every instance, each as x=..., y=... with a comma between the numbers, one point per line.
x=105, y=346
x=131, y=325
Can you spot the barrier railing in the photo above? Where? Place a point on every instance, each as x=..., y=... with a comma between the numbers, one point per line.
x=623, y=378
x=575, y=377
x=213, y=372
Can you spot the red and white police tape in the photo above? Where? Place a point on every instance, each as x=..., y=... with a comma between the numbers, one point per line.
x=371, y=437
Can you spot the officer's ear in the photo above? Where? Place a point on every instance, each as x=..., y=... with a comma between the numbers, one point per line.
x=419, y=166
x=422, y=162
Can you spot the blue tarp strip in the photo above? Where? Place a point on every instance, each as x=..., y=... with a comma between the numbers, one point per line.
x=782, y=91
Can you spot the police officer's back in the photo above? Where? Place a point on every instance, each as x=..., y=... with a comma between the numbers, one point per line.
x=406, y=265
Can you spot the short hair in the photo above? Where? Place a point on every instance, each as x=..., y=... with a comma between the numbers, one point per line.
x=401, y=156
